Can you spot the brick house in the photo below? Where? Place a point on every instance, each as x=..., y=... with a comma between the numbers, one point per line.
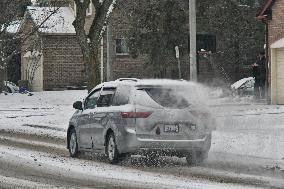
x=271, y=15
x=51, y=57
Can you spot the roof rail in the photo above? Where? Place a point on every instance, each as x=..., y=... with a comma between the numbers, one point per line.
x=128, y=79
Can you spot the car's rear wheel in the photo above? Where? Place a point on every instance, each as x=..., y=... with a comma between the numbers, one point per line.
x=111, y=149
x=73, y=144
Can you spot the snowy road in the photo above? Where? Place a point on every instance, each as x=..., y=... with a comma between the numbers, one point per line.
x=44, y=162
x=247, y=150
x=33, y=166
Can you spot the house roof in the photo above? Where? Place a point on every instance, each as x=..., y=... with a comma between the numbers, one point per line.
x=58, y=23
x=268, y=4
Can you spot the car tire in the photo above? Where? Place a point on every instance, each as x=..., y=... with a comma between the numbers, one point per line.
x=196, y=157
x=111, y=149
x=73, y=144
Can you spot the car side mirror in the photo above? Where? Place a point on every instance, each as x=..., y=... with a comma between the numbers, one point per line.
x=78, y=105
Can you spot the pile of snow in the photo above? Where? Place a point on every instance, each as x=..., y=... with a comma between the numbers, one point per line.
x=239, y=83
x=14, y=26
x=48, y=109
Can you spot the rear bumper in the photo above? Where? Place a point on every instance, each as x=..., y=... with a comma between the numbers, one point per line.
x=133, y=144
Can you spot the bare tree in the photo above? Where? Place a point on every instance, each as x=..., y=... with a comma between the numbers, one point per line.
x=10, y=11
x=89, y=41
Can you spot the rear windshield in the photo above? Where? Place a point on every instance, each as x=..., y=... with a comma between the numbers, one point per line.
x=167, y=97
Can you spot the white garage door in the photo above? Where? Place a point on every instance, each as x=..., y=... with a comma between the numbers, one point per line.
x=280, y=75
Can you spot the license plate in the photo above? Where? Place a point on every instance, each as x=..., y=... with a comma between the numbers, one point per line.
x=171, y=128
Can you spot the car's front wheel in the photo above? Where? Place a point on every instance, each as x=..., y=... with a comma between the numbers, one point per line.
x=73, y=144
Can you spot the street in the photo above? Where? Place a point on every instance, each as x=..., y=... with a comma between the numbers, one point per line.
x=245, y=152
x=43, y=166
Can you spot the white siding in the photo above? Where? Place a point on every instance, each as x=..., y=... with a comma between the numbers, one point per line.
x=278, y=92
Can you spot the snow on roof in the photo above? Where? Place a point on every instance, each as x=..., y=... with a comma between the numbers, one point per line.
x=14, y=26
x=164, y=82
x=32, y=54
x=278, y=44
x=59, y=23
x=239, y=83
x=144, y=82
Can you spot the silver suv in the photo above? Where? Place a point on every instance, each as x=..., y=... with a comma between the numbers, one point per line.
x=131, y=116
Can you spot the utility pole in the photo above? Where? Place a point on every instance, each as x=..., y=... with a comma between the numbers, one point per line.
x=192, y=34
x=102, y=60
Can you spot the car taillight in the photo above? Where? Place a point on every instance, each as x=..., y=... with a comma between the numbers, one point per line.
x=135, y=114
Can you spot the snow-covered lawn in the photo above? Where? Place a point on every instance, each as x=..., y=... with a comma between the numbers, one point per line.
x=50, y=110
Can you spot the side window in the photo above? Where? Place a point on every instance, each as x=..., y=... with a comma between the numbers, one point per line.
x=91, y=101
x=121, y=96
x=206, y=42
x=106, y=97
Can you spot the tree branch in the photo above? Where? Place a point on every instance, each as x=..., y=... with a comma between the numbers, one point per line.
x=103, y=11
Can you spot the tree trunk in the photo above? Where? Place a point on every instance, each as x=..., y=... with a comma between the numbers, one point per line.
x=92, y=68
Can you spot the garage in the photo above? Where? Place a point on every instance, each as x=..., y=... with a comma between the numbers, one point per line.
x=277, y=72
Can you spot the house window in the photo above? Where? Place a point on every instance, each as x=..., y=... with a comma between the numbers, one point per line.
x=122, y=47
x=89, y=10
x=206, y=42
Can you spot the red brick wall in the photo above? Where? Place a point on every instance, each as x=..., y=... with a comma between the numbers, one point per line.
x=124, y=65
x=276, y=25
x=63, y=62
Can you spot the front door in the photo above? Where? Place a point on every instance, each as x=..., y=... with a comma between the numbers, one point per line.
x=86, y=120
x=101, y=116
